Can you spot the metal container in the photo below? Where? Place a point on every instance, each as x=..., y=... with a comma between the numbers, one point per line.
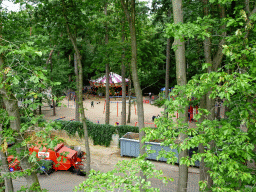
x=131, y=147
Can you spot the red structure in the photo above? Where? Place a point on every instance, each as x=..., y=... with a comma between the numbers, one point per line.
x=62, y=158
x=144, y=123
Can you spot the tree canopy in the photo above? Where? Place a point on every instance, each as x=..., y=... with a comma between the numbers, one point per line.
x=41, y=43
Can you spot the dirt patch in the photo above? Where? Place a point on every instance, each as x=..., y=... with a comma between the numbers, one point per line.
x=135, y=136
x=70, y=141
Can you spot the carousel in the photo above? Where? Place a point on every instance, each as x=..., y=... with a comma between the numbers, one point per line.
x=115, y=84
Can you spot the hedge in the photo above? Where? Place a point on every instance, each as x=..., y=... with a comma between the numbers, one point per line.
x=101, y=134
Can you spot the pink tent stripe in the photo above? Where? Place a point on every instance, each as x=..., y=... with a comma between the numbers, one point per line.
x=113, y=79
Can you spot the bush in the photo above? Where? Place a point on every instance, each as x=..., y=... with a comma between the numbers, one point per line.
x=101, y=134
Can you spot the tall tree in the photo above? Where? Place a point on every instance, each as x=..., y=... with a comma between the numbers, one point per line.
x=123, y=120
x=73, y=40
x=181, y=81
x=77, y=115
x=12, y=109
x=4, y=168
x=214, y=64
x=107, y=70
x=167, y=74
x=129, y=10
x=129, y=96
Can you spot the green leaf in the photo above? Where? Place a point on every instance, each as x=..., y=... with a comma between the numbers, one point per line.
x=34, y=79
x=206, y=65
x=15, y=81
x=39, y=53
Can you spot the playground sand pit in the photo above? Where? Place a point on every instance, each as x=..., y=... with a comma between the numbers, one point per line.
x=100, y=154
x=97, y=114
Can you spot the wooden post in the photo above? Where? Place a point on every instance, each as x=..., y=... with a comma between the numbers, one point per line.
x=104, y=106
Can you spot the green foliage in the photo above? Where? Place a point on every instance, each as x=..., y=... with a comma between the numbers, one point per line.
x=189, y=30
x=161, y=100
x=233, y=84
x=101, y=134
x=128, y=180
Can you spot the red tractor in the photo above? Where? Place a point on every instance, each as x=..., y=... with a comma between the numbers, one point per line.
x=61, y=158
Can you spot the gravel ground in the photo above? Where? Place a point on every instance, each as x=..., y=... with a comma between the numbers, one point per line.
x=104, y=159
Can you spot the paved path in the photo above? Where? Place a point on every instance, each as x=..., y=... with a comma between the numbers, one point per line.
x=64, y=181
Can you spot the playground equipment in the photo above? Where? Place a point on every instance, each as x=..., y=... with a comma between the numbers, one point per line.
x=192, y=112
x=114, y=80
x=117, y=106
x=104, y=106
x=145, y=101
x=144, y=123
x=60, y=118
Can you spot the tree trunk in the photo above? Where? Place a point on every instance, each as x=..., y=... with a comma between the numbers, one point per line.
x=206, y=103
x=123, y=120
x=77, y=115
x=69, y=80
x=80, y=88
x=210, y=103
x=131, y=20
x=80, y=94
x=12, y=109
x=4, y=167
x=129, y=95
x=2, y=182
x=107, y=95
x=53, y=103
x=181, y=80
x=204, y=175
x=40, y=101
x=107, y=74
x=218, y=115
x=167, y=74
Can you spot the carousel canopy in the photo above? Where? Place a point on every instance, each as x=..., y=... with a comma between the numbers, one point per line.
x=114, y=79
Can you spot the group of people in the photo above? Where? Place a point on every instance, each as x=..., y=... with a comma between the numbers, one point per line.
x=92, y=103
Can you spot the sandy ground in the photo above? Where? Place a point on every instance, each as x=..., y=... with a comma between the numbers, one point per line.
x=96, y=114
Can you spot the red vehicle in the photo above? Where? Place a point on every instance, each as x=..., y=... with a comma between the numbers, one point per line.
x=61, y=158
x=13, y=164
